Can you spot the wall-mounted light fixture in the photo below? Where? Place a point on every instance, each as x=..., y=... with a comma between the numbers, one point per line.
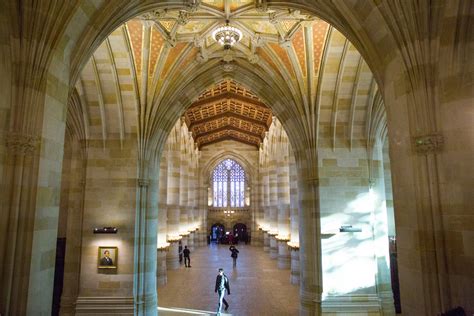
x=105, y=230
x=349, y=229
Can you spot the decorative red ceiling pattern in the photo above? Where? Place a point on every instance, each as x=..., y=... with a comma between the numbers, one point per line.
x=228, y=111
x=135, y=34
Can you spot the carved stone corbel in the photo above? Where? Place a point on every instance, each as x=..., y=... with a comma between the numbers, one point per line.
x=261, y=6
x=193, y=5
x=183, y=18
x=428, y=144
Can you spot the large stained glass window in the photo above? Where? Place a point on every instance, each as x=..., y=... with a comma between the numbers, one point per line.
x=228, y=184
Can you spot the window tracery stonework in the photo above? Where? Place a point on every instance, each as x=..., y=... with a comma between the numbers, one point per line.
x=228, y=180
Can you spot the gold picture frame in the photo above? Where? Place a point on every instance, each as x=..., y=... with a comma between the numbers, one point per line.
x=107, y=257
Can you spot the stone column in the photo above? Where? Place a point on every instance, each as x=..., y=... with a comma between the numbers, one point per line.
x=172, y=199
x=144, y=278
x=172, y=256
x=310, y=233
x=162, y=243
x=266, y=204
x=284, y=259
x=283, y=202
x=183, y=185
x=380, y=229
x=295, y=265
x=72, y=260
x=191, y=189
x=266, y=242
x=161, y=272
x=294, y=223
x=19, y=214
x=273, y=209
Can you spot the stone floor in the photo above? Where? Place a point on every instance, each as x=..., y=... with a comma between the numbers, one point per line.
x=257, y=286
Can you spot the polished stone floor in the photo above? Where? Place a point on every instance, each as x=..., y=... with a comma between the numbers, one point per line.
x=257, y=286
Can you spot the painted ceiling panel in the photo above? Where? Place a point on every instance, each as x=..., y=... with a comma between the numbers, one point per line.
x=275, y=45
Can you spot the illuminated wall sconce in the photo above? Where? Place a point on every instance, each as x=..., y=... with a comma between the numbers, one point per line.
x=283, y=238
x=172, y=239
x=105, y=230
x=349, y=229
x=164, y=246
x=294, y=246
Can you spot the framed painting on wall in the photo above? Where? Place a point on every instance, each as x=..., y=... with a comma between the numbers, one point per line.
x=107, y=258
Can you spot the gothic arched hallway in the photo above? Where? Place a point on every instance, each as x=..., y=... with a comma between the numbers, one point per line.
x=257, y=286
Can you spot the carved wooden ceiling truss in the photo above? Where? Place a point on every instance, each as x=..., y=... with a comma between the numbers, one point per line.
x=228, y=111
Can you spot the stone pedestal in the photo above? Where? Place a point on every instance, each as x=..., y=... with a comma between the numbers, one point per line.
x=273, y=247
x=185, y=240
x=161, y=275
x=191, y=241
x=266, y=242
x=172, y=257
x=257, y=238
x=284, y=259
x=295, y=266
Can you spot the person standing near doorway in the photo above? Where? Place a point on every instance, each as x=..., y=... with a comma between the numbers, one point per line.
x=187, y=259
x=222, y=284
x=234, y=254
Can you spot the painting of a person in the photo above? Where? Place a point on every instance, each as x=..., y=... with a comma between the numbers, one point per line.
x=106, y=260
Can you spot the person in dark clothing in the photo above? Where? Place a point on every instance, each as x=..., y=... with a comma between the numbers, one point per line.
x=222, y=284
x=187, y=259
x=234, y=254
x=180, y=252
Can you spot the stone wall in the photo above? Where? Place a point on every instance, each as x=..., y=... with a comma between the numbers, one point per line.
x=110, y=200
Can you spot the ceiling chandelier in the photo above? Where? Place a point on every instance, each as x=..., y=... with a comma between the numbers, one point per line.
x=227, y=35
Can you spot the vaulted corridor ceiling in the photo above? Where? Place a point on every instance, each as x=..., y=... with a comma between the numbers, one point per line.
x=146, y=60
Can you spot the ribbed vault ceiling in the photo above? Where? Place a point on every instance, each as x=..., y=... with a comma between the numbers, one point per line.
x=137, y=70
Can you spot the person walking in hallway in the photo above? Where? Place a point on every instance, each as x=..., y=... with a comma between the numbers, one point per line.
x=234, y=254
x=187, y=259
x=222, y=284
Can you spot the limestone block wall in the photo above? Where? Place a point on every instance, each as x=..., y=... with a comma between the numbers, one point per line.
x=387, y=176
x=110, y=200
x=348, y=266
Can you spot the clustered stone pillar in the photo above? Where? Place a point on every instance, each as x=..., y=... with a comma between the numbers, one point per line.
x=310, y=233
x=283, y=202
x=172, y=199
x=294, y=223
x=278, y=200
x=185, y=221
x=273, y=207
x=266, y=203
x=161, y=274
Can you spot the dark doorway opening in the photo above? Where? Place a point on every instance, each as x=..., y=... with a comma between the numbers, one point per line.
x=217, y=232
x=240, y=232
x=58, y=275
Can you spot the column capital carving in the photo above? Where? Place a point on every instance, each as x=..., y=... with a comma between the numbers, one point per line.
x=22, y=144
x=428, y=144
x=143, y=182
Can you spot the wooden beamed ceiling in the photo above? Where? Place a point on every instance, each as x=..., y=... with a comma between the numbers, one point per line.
x=228, y=111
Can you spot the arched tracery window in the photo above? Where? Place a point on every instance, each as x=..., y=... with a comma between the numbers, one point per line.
x=228, y=184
